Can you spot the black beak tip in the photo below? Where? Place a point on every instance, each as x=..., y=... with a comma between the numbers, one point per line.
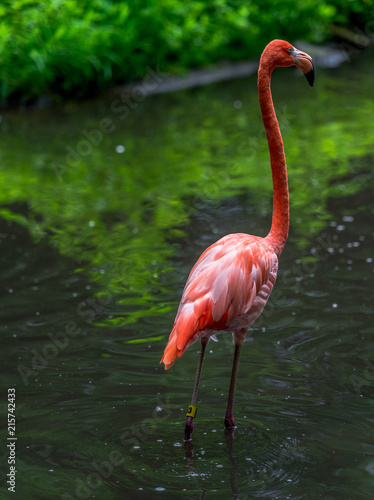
x=310, y=76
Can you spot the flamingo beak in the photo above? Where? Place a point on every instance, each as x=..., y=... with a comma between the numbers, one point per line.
x=310, y=74
x=304, y=62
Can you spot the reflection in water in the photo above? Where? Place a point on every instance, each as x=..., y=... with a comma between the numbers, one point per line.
x=229, y=434
x=108, y=247
x=204, y=159
x=191, y=466
x=265, y=474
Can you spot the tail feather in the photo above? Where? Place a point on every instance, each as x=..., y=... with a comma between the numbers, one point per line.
x=183, y=334
x=171, y=351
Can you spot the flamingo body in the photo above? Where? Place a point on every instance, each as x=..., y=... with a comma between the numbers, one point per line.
x=227, y=289
x=232, y=280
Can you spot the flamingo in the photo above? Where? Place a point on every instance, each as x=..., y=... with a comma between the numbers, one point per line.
x=232, y=280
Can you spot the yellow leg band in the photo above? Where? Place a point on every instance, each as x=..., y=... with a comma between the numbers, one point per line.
x=191, y=412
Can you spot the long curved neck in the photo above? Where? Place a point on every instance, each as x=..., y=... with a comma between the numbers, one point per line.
x=280, y=222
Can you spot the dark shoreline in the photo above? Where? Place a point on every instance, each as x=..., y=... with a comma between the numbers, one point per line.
x=326, y=56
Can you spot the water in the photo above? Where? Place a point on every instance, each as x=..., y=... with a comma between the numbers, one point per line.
x=95, y=250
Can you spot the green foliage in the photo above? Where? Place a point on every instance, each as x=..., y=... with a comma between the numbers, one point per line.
x=71, y=47
x=123, y=215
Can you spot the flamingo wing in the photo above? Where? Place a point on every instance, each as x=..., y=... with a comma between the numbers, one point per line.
x=221, y=291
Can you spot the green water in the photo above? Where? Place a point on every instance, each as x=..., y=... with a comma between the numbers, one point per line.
x=95, y=250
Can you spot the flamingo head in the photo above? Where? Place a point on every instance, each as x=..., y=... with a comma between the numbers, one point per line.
x=282, y=53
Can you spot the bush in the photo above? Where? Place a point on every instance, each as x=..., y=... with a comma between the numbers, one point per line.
x=74, y=47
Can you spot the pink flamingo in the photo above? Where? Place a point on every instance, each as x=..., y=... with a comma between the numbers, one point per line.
x=231, y=282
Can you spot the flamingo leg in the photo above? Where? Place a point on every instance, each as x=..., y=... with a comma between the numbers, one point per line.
x=229, y=418
x=189, y=425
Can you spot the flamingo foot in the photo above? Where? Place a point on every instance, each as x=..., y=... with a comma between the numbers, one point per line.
x=188, y=429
